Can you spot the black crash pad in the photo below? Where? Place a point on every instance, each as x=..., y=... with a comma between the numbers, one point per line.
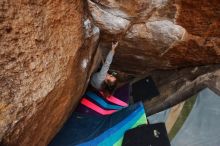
x=147, y=135
x=144, y=89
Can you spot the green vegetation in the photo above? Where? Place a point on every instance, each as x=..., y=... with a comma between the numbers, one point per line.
x=182, y=117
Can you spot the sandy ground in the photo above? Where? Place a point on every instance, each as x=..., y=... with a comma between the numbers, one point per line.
x=173, y=115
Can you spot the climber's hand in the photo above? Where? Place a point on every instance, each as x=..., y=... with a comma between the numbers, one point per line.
x=114, y=45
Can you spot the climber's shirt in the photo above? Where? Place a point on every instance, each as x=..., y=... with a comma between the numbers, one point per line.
x=98, y=78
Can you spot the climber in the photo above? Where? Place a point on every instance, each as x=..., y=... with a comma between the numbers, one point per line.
x=105, y=80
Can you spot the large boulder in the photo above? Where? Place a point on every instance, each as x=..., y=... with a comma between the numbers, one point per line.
x=48, y=52
x=46, y=59
x=159, y=34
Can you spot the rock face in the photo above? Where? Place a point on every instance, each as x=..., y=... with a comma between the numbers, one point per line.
x=48, y=50
x=159, y=34
x=46, y=59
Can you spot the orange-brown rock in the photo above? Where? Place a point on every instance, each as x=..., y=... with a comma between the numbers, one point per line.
x=48, y=52
x=200, y=18
x=45, y=63
x=161, y=34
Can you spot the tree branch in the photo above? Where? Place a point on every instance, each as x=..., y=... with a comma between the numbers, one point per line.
x=209, y=80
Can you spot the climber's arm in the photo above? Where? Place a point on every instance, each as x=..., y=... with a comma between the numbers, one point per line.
x=98, y=78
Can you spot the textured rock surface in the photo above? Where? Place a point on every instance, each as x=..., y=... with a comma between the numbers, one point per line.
x=161, y=34
x=44, y=68
x=46, y=57
x=107, y=21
